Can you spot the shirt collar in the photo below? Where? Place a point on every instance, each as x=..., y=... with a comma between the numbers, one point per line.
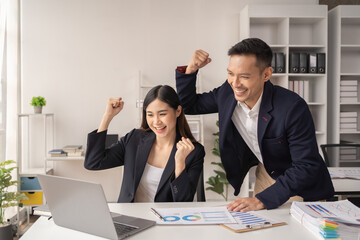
x=255, y=110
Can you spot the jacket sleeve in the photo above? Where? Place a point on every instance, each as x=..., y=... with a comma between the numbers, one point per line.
x=192, y=102
x=183, y=188
x=98, y=157
x=307, y=165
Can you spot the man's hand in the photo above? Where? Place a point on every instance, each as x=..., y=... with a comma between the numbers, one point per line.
x=245, y=204
x=198, y=60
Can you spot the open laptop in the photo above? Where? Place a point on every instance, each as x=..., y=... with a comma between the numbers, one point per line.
x=82, y=206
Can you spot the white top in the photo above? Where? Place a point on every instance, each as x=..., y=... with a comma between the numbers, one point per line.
x=245, y=121
x=148, y=184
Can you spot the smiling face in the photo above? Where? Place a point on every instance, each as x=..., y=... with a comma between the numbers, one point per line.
x=161, y=118
x=246, y=78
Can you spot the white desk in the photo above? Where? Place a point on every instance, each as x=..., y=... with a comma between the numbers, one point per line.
x=46, y=229
x=346, y=186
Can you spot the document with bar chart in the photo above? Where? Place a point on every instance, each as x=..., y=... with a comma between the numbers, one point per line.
x=194, y=216
x=250, y=221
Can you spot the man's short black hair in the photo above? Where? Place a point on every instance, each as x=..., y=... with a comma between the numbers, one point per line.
x=255, y=46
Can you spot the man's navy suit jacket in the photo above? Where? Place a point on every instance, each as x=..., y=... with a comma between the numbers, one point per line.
x=286, y=137
x=133, y=151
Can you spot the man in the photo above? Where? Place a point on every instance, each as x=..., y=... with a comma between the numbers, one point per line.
x=259, y=124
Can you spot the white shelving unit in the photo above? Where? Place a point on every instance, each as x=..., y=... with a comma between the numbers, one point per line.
x=344, y=53
x=28, y=166
x=289, y=29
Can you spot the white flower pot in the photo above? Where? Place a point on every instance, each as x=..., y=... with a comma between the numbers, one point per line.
x=37, y=109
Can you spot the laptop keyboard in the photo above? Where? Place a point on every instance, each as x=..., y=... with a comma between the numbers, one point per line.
x=122, y=229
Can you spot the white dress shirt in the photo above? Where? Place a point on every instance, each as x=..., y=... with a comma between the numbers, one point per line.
x=245, y=121
x=148, y=184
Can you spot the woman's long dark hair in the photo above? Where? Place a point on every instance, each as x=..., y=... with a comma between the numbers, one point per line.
x=167, y=95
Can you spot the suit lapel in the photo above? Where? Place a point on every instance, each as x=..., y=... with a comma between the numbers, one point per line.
x=226, y=124
x=142, y=155
x=265, y=108
x=169, y=168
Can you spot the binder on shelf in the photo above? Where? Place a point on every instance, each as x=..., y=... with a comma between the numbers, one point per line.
x=273, y=63
x=303, y=63
x=321, y=62
x=280, y=62
x=294, y=62
x=312, y=63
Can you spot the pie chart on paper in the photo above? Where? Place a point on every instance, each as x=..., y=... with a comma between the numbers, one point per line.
x=191, y=218
x=171, y=218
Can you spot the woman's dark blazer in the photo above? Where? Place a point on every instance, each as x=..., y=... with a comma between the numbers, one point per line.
x=132, y=151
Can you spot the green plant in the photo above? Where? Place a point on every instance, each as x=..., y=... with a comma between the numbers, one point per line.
x=38, y=101
x=8, y=199
x=219, y=182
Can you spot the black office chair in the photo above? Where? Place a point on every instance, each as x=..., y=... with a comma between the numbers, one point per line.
x=200, y=191
x=111, y=139
x=341, y=155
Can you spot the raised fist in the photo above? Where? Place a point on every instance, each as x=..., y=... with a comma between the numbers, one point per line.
x=198, y=60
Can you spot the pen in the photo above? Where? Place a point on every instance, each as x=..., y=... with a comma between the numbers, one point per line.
x=157, y=214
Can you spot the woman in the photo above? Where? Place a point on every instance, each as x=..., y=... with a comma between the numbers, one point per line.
x=162, y=160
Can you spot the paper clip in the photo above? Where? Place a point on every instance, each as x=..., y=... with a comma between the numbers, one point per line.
x=259, y=225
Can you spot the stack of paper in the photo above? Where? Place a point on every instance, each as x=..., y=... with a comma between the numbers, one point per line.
x=344, y=173
x=348, y=91
x=329, y=220
x=348, y=121
x=73, y=150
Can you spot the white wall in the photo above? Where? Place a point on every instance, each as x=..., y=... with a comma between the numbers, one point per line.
x=77, y=53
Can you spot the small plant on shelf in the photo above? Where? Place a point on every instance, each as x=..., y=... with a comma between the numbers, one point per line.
x=38, y=103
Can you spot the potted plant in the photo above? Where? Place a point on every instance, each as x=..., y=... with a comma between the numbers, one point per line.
x=38, y=103
x=219, y=182
x=7, y=198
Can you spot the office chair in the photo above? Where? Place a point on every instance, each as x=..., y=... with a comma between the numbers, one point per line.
x=341, y=155
x=200, y=191
x=111, y=139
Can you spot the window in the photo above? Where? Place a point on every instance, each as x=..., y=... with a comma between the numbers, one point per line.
x=2, y=81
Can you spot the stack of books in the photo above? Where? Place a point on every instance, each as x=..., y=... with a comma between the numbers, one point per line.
x=301, y=87
x=349, y=91
x=328, y=220
x=73, y=150
x=57, y=153
x=348, y=121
